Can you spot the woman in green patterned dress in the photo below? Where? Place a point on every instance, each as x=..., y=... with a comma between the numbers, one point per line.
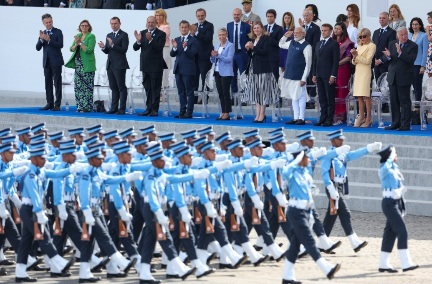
x=84, y=62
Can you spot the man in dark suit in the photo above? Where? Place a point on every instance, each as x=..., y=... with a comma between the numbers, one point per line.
x=151, y=42
x=184, y=50
x=238, y=32
x=203, y=31
x=116, y=46
x=382, y=37
x=51, y=41
x=313, y=35
x=324, y=72
x=275, y=32
x=401, y=54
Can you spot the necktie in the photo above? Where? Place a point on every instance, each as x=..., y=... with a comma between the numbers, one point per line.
x=381, y=32
x=200, y=26
x=114, y=35
x=401, y=45
x=236, y=41
x=268, y=28
x=322, y=43
x=182, y=39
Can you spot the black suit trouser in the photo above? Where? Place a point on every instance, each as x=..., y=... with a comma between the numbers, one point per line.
x=223, y=88
x=185, y=89
x=127, y=242
x=152, y=82
x=400, y=103
x=117, y=83
x=395, y=226
x=326, y=96
x=342, y=212
x=53, y=73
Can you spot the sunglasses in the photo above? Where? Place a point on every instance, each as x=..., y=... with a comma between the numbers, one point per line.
x=362, y=36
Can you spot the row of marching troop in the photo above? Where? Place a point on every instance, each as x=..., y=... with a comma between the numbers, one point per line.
x=198, y=198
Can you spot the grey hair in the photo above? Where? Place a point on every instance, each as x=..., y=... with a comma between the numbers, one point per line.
x=303, y=30
x=385, y=13
x=402, y=29
x=222, y=30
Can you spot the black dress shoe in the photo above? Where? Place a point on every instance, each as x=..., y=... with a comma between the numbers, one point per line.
x=61, y=274
x=186, y=116
x=47, y=107
x=157, y=254
x=389, y=270
x=261, y=260
x=208, y=272
x=410, y=268
x=147, y=112
x=25, y=279
x=191, y=271
x=392, y=127
x=163, y=266
x=68, y=265
x=360, y=246
x=300, y=122
x=310, y=105
x=327, y=123
x=257, y=248
x=319, y=123
x=404, y=128
x=7, y=262
x=67, y=249
x=35, y=266
x=290, y=282
x=210, y=258
x=333, y=247
x=120, y=112
x=280, y=257
x=172, y=276
x=116, y=275
x=90, y=280
x=303, y=254
x=98, y=268
x=153, y=113
x=155, y=281
x=291, y=122
x=333, y=271
x=111, y=112
x=131, y=263
x=240, y=262
x=56, y=108
x=225, y=266
x=3, y=271
x=180, y=115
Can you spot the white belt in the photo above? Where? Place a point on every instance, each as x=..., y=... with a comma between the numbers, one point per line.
x=339, y=179
x=69, y=198
x=94, y=202
x=394, y=193
x=26, y=201
x=300, y=204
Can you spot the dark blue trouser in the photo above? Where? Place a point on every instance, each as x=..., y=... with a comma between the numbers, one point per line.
x=343, y=212
x=185, y=87
x=128, y=242
x=395, y=225
x=317, y=226
x=263, y=229
x=189, y=243
x=298, y=219
x=138, y=220
x=239, y=237
x=10, y=233
x=27, y=235
x=274, y=222
x=149, y=237
x=220, y=233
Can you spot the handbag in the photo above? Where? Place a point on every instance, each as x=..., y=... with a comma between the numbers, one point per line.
x=100, y=106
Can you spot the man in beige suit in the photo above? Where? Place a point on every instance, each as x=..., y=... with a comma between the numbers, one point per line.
x=248, y=16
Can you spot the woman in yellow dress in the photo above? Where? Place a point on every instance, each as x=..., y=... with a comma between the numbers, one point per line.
x=362, y=58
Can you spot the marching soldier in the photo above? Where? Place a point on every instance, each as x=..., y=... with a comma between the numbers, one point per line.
x=96, y=131
x=24, y=135
x=151, y=132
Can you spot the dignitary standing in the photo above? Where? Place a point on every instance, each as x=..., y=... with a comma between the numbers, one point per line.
x=275, y=32
x=151, y=41
x=401, y=54
x=222, y=56
x=184, y=49
x=51, y=41
x=84, y=62
x=297, y=68
x=116, y=46
x=393, y=207
x=162, y=24
x=324, y=71
x=248, y=16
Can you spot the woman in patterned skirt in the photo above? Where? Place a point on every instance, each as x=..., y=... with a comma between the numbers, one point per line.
x=261, y=86
x=84, y=62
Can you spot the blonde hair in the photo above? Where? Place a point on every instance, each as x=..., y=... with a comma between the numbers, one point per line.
x=365, y=31
x=252, y=35
x=400, y=16
x=162, y=12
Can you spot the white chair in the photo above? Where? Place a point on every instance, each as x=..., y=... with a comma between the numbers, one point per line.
x=101, y=79
x=381, y=95
x=210, y=88
x=135, y=86
x=238, y=97
x=426, y=103
x=68, y=76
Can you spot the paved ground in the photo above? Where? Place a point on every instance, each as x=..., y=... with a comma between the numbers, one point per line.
x=356, y=268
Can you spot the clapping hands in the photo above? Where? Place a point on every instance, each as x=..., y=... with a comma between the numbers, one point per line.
x=137, y=36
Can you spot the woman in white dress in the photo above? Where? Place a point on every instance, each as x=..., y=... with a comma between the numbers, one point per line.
x=162, y=24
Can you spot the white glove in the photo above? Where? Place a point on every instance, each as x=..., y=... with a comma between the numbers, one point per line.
x=132, y=7
x=133, y=176
x=134, y=152
x=318, y=152
x=149, y=6
x=168, y=165
x=21, y=163
x=41, y=218
x=222, y=165
x=393, y=154
x=251, y=162
x=292, y=147
x=49, y=165
x=124, y=215
x=343, y=149
x=258, y=204
x=106, y=167
x=211, y=211
x=221, y=157
x=17, y=202
x=375, y=146
x=289, y=156
x=196, y=161
x=334, y=194
x=238, y=210
x=161, y=218
x=80, y=155
x=88, y=217
x=268, y=151
x=277, y=164
x=109, y=152
x=201, y=174
x=4, y=213
x=185, y=215
x=19, y=171
x=222, y=210
x=281, y=199
x=62, y=211
x=299, y=157
x=76, y=168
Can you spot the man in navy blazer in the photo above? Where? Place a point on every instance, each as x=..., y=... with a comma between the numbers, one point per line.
x=116, y=46
x=151, y=41
x=275, y=32
x=238, y=34
x=184, y=49
x=203, y=31
x=51, y=41
x=324, y=71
